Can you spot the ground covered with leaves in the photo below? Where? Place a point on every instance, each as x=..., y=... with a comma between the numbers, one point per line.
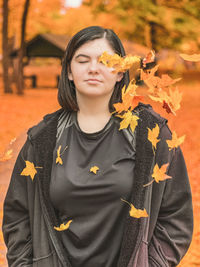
x=20, y=113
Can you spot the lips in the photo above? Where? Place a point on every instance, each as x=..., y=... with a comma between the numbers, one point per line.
x=93, y=81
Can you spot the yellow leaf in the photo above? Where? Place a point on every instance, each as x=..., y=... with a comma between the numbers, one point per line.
x=171, y=101
x=153, y=135
x=194, y=57
x=8, y=155
x=136, y=213
x=58, y=159
x=175, y=141
x=30, y=169
x=13, y=140
x=120, y=64
x=94, y=169
x=161, y=96
x=63, y=226
x=175, y=98
x=159, y=174
x=129, y=97
x=128, y=119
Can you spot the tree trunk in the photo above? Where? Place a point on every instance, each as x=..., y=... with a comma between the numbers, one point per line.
x=153, y=36
x=5, y=50
x=20, y=82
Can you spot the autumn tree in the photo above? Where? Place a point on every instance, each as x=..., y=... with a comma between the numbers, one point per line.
x=154, y=23
x=5, y=50
x=20, y=80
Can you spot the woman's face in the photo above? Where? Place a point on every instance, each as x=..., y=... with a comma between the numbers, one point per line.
x=92, y=78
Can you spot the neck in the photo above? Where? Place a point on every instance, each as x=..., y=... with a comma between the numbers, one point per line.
x=93, y=113
x=93, y=107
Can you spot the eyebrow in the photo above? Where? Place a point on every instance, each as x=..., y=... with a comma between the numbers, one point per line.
x=81, y=55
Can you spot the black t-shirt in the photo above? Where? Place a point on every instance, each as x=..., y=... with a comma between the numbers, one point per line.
x=92, y=201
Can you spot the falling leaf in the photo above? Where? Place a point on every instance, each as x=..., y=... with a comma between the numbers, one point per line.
x=63, y=226
x=128, y=119
x=110, y=60
x=13, y=140
x=94, y=169
x=129, y=98
x=166, y=107
x=30, y=169
x=194, y=57
x=58, y=159
x=153, y=136
x=175, y=98
x=136, y=213
x=149, y=77
x=120, y=64
x=159, y=174
x=150, y=58
x=171, y=101
x=175, y=141
x=8, y=155
x=166, y=81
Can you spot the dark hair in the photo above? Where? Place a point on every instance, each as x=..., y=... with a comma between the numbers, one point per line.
x=66, y=88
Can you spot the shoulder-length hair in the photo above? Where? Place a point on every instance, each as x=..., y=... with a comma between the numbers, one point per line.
x=66, y=88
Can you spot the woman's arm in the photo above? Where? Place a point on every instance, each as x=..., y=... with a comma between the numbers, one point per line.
x=16, y=223
x=174, y=225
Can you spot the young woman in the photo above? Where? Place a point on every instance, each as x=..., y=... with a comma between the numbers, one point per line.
x=64, y=204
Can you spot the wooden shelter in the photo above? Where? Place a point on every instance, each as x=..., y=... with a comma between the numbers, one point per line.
x=42, y=45
x=45, y=45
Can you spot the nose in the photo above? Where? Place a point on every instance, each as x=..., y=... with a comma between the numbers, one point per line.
x=93, y=66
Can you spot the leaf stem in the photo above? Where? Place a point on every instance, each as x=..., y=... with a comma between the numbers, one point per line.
x=148, y=183
x=153, y=149
x=126, y=201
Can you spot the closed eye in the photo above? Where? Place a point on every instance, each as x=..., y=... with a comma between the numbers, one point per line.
x=82, y=61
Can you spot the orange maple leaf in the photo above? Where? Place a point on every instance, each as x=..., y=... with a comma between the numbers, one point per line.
x=94, y=169
x=166, y=81
x=136, y=213
x=13, y=140
x=175, y=141
x=153, y=136
x=129, y=98
x=8, y=155
x=194, y=57
x=120, y=64
x=154, y=82
x=128, y=119
x=150, y=57
x=30, y=169
x=175, y=98
x=63, y=226
x=159, y=174
x=171, y=102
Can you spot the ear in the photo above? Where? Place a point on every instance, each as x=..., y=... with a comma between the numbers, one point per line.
x=119, y=76
x=70, y=77
x=69, y=73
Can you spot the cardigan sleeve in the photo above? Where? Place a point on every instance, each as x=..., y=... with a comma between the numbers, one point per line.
x=16, y=223
x=173, y=219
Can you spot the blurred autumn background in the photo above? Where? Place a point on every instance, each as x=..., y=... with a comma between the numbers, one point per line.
x=34, y=35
